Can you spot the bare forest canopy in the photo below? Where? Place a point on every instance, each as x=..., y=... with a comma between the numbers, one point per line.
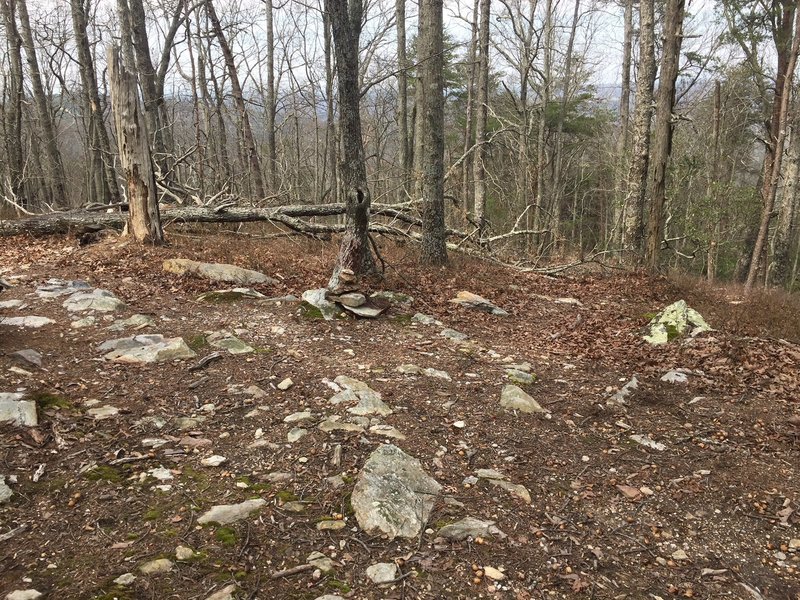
x=495, y=115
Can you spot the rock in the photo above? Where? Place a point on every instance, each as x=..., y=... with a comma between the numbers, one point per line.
x=387, y=431
x=331, y=525
x=329, y=597
x=318, y=299
x=393, y=494
x=184, y=423
x=154, y=567
x=125, y=579
x=224, y=514
x=409, y=369
x=228, y=296
x=393, y=297
x=333, y=424
x=146, y=349
x=19, y=412
x=298, y=416
x=84, y=322
x=680, y=555
x=630, y=492
x=470, y=300
x=620, y=397
x=103, y=412
x=184, y=553
x=5, y=491
x=214, y=460
x=194, y=442
x=11, y=304
x=572, y=301
x=647, y=442
x=96, y=300
x=469, y=527
x=216, y=272
x=350, y=299
x=515, y=398
x=321, y=562
x=520, y=377
x=676, y=320
x=452, y=334
x=136, y=321
x=366, y=311
x=24, y=595
x=382, y=572
x=498, y=479
x=675, y=376
x=493, y=573
x=30, y=322
x=53, y=288
x=227, y=341
x=295, y=506
x=794, y=544
x=279, y=477
x=369, y=401
x=296, y=434
x=32, y=357
x=161, y=474
x=225, y=593
x=425, y=320
x=285, y=384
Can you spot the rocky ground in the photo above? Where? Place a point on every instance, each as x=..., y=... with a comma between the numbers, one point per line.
x=159, y=445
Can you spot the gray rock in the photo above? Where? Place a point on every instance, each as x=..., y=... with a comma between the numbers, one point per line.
x=30, y=322
x=136, y=321
x=84, y=322
x=225, y=593
x=621, y=396
x=350, y=299
x=296, y=434
x=409, y=369
x=321, y=562
x=393, y=297
x=498, y=479
x=285, y=384
x=318, y=299
x=227, y=341
x=298, y=416
x=103, y=412
x=15, y=410
x=329, y=597
x=125, y=579
x=154, y=567
x=24, y=595
x=425, y=320
x=11, y=304
x=382, y=573
x=470, y=300
x=279, y=477
x=452, y=334
x=146, y=349
x=228, y=296
x=368, y=312
x=216, y=272
x=184, y=553
x=331, y=525
x=333, y=424
x=29, y=356
x=515, y=398
x=393, y=494
x=53, y=288
x=469, y=527
x=387, y=431
x=225, y=514
x=96, y=300
x=571, y=301
x=521, y=377
x=675, y=321
x=5, y=491
x=369, y=401
x=675, y=376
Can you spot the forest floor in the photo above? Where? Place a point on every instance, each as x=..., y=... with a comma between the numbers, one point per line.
x=97, y=494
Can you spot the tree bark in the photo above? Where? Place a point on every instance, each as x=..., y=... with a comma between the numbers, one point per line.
x=134, y=152
x=481, y=124
x=403, y=152
x=269, y=100
x=640, y=158
x=248, y=143
x=780, y=268
x=15, y=92
x=434, y=248
x=664, y=127
x=354, y=253
x=623, y=137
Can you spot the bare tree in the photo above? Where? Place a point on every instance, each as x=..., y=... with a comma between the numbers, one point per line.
x=481, y=127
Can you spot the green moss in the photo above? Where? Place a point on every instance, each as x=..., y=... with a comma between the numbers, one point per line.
x=403, y=320
x=153, y=514
x=197, y=342
x=45, y=400
x=309, y=311
x=337, y=585
x=672, y=332
x=240, y=575
x=286, y=496
x=132, y=536
x=103, y=473
x=225, y=536
x=649, y=316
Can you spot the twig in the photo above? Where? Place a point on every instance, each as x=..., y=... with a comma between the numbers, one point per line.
x=292, y=571
x=205, y=361
x=10, y=534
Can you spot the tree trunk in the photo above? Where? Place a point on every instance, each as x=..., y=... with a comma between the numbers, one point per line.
x=547, y=212
x=248, y=143
x=13, y=110
x=664, y=127
x=779, y=121
x=134, y=152
x=623, y=137
x=469, y=122
x=403, y=152
x=713, y=185
x=482, y=121
x=331, y=139
x=434, y=249
x=780, y=269
x=269, y=100
x=640, y=158
x=57, y=178
x=354, y=253
x=107, y=189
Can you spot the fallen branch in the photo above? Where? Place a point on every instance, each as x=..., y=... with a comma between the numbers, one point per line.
x=293, y=571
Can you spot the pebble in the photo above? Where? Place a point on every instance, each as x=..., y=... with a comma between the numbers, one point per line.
x=153, y=567
x=184, y=553
x=125, y=579
x=285, y=384
x=213, y=461
x=382, y=572
x=331, y=525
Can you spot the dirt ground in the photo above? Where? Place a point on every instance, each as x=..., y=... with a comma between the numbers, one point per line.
x=712, y=515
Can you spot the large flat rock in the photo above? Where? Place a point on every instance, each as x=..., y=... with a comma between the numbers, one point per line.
x=146, y=349
x=224, y=514
x=18, y=411
x=216, y=272
x=393, y=494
